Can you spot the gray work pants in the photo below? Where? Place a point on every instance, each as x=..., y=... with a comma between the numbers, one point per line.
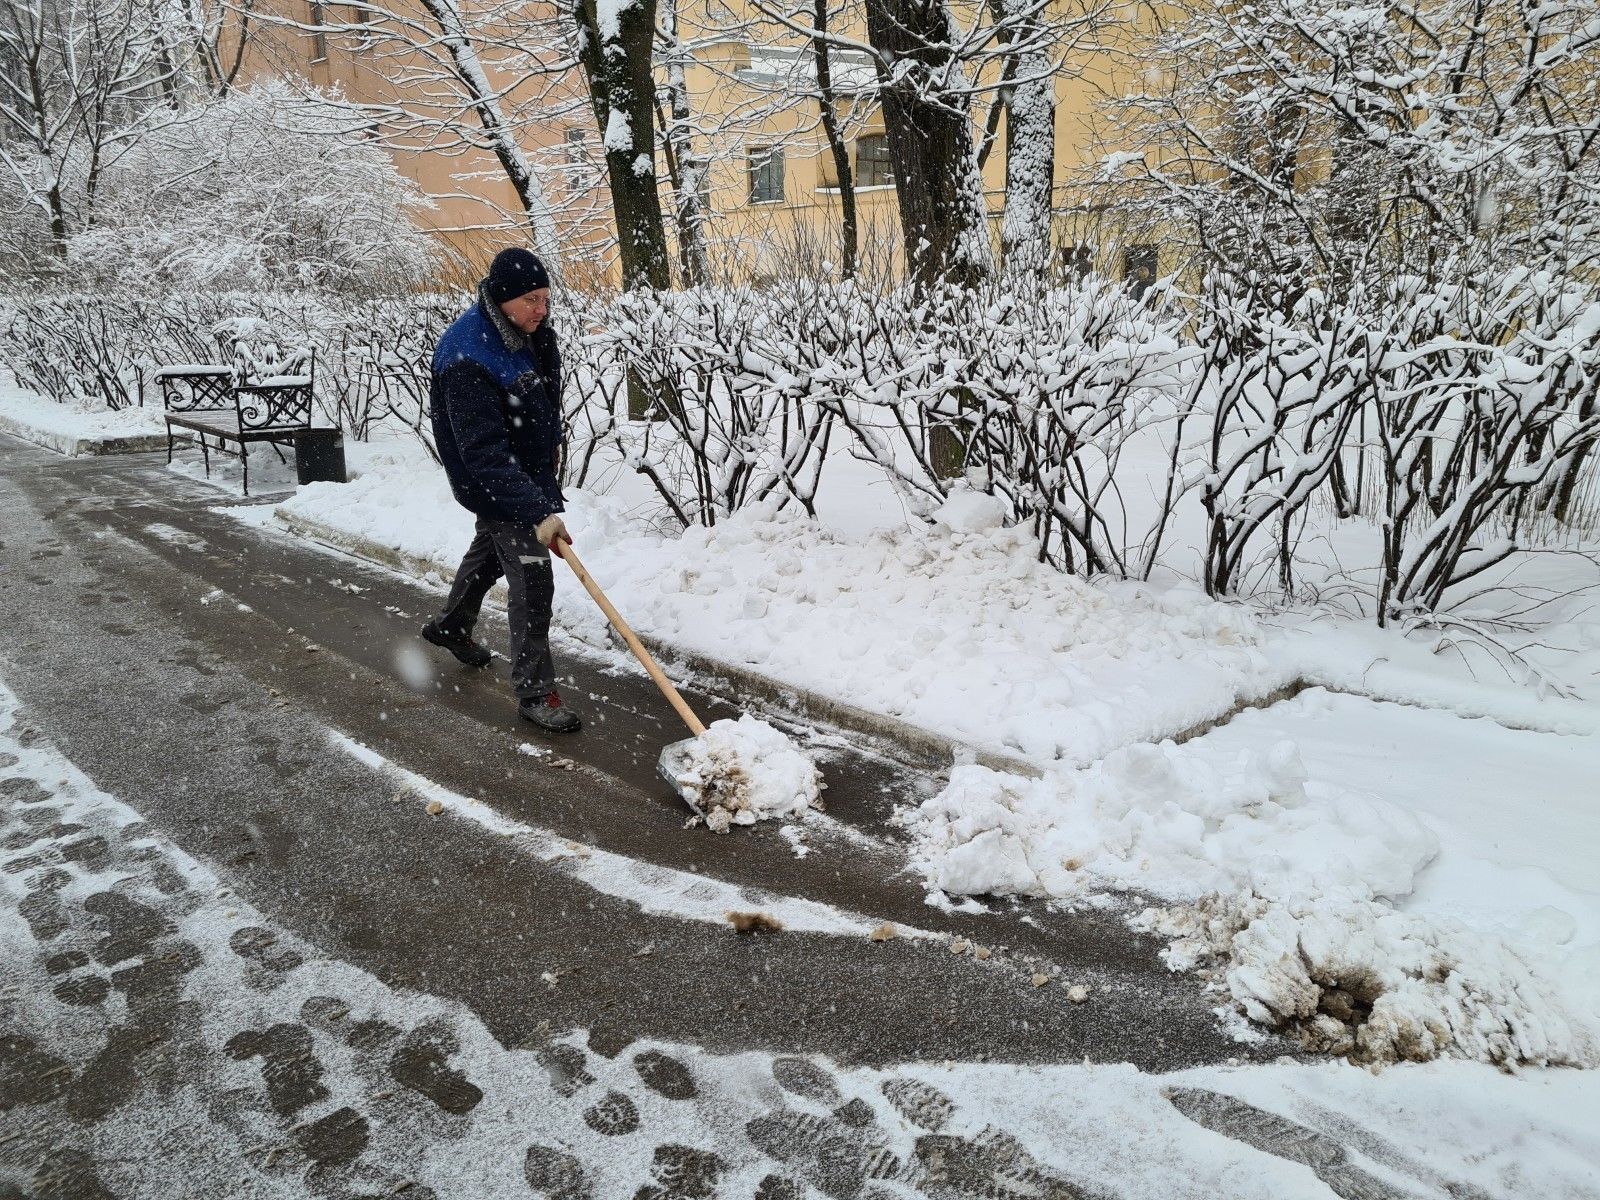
x=504, y=548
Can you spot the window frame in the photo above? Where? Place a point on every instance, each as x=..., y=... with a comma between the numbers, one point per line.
x=876, y=136
x=1138, y=255
x=760, y=158
x=319, y=36
x=1076, y=260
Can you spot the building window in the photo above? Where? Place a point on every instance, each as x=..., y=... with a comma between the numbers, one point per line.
x=1076, y=261
x=361, y=15
x=872, y=161
x=1139, y=264
x=581, y=172
x=766, y=174
x=319, y=39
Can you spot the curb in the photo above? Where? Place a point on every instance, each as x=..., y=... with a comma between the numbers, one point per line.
x=912, y=745
x=73, y=446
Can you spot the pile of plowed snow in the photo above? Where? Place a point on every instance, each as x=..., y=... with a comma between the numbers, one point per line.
x=1278, y=888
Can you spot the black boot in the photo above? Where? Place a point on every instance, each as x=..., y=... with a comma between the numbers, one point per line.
x=546, y=712
x=474, y=654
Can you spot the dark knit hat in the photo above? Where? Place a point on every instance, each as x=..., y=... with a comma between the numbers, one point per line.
x=515, y=272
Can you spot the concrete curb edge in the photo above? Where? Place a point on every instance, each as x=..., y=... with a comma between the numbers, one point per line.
x=78, y=447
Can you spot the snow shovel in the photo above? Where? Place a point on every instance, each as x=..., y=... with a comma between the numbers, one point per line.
x=669, y=765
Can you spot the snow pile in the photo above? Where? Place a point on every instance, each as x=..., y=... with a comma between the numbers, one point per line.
x=1164, y=820
x=1352, y=976
x=740, y=772
x=62, y=425
x=1279, y=888
x=967, y=511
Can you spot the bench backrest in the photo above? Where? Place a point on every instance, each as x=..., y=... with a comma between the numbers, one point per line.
x=274, y=402
x=202, y=387
x=281, y=400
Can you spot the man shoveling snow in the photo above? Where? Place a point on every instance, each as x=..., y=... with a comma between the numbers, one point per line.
x=496, y=396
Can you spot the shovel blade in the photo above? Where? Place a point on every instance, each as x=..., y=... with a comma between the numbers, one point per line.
x=673, y=765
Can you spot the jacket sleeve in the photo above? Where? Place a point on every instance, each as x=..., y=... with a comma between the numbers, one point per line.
x=472, y=402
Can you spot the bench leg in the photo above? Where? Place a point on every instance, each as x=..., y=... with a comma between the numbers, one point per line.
x=244, y=457
x=205, y=451
x=169, y=445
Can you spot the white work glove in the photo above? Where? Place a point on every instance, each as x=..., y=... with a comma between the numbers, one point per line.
x=551, y=528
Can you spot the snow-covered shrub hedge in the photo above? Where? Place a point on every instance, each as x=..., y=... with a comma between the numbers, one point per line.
x=372, y=351
x=1198, y=434
x=1473, y=402
x=1105, y=421
x=733, y=382
x=1027, y=391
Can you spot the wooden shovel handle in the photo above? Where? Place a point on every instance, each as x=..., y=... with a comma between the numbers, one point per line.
x=564, y=550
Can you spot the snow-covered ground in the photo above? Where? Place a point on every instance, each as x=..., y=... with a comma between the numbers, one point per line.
x=557, y=1113
x=1442, y=857
x=71, y=428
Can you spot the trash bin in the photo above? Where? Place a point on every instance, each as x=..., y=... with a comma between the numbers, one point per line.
x=319, y=456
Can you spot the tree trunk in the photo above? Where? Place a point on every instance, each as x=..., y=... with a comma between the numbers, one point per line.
x=618, y=63
x=849, y=234
x=58, y=222
x=943, y=219
x=1030, y=143
x=688, y=169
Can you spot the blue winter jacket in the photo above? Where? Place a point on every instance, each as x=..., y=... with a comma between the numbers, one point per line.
x=496, y=400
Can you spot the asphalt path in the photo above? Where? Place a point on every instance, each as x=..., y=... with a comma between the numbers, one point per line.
x=211, y=675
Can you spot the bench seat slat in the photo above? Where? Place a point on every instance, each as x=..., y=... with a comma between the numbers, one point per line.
x=213, y=421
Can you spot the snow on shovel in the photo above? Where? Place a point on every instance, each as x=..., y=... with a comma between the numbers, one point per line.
x=735, y=772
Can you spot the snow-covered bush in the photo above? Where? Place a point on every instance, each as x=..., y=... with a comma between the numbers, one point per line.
x=1488, y=402
x=261, y=190
x=1028, y=391
x=372, y=352
x=1475, y=401
x=731, y=382
x=373, y=364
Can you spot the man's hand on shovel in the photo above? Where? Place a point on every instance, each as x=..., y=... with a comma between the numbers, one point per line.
x=551, y=532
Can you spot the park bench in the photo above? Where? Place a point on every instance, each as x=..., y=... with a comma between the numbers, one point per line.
x=213, y=405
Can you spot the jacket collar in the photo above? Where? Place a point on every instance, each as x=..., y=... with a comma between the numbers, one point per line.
x=515, y=340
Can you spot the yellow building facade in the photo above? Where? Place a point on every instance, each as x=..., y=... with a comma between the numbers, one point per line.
x=771, y=194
